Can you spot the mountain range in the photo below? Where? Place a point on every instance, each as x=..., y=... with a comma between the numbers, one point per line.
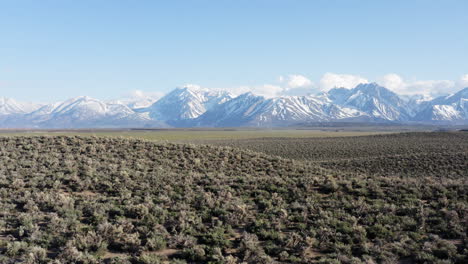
x=196, y=107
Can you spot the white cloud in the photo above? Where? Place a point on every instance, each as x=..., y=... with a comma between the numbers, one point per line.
x=430, y=87
x=296, y=81
x=138, y=98
x=331, y=80
x=392, y=81
x=266, y=90
x=397, y=84
x=192, y=86
x=463, y=82
x=139, y=94
x=296, y=84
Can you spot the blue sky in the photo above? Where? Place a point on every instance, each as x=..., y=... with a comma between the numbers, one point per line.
x=52, y=50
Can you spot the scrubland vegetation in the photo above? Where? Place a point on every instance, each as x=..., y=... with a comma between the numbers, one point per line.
x=440, y=154
x=378, y=199
x=198, y=135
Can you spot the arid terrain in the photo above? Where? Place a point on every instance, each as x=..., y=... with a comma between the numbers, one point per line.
x=283, y=198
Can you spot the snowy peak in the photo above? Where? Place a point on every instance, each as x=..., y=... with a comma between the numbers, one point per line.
x=376, y=101
x=10, y=106
x=238, y=111
x=84, y=111
x=365, y=93
x=191, y=105
x=446, y=108
x=84, y=108
x=251, y=110
x=80, y=107
x=186, y=103
x=338, y=95
x=374, y=89
x=135, y=102
x=454, y=98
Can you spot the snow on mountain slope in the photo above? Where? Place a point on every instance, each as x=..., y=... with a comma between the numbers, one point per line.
x=374, y=100
x=251, y=110
x=445, y=112
x=135, y=102
x=186, y=103
x=87, y=112
x=337, y=95
x=294, y=109
x=235, y=112
x=194, y=106
x=79, y=108
x=10, y=106
x=451, y=99
x=446, y=108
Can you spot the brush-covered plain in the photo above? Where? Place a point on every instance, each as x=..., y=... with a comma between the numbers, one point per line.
x=441, y=154
x=376, y=199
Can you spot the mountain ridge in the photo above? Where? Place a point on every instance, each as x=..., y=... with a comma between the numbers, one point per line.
x=192, y=106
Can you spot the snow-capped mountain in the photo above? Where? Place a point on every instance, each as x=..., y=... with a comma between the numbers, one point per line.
x=185, y=104
x=239, y=111
x=81, y=112
x=376, y=101
x=136, y=101
x=446, y=108
x=251, y=110
x=191, y=106
x=10, y=106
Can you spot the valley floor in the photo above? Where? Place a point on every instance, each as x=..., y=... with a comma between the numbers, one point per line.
x=196, y=135
x=236, y=196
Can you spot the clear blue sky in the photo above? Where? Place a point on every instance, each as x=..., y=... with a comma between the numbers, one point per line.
x=51, y=50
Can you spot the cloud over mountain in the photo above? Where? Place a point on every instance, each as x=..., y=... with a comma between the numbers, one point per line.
x=299, y=85
x=293, y=81
x=397, y=84
x=333, y=80
x=463, y=82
